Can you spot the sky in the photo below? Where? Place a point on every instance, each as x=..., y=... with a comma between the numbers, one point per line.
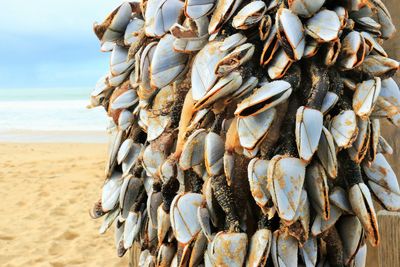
x=47, y=43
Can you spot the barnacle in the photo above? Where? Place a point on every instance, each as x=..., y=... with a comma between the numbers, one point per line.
x=247, y=132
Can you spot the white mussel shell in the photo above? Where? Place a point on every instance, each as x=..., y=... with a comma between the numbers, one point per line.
x=125, y=119
x=144, y=258
x=224, y=87
x=222, y=13
x=108, y=220
x=166, y=64
x=327, y=153
x=338, y=197
x=214, y=149
x=245, y=89
x=132, y=228
x=343, y=15
x=309, y=123
x=189, y=46
x=198, y=8
x=290, y=29
x=101, y=86
x=119, y=20
x=203, y=76
x=149, y=17
x=264, y=27
x=309, y=252
x=320, y=225
x=353, y=51
x=125, y=100
x=279, y=65
x=166, y=14
x=119, y=235
x=329, y=102
x=156, y=126
x=232, y=41
x=258, y=179
x=145, y=91
x=119, y=61
x=193, y=150
x=114, y=144
x=323, y=26
x=124, y=150
x=190, y=35
x=203, y=215
x=317, y=188
x=311, y=48
x=229, y=249
x=111, y=191
x=165, y=255
x=117, y=80
x=259, y=248
x=332, y=51
x=285, y=182
x=154, y=200
x=305, y=8
x=385, y=20
x=152, y=159
x=352, y=235
x=361, y=203
x=361, y=144
x=384, y=147
x=302, y=215
x=271, y=46
x=360, y=258
x=263, y=98
x=390, y=92
x=344, y=128
x=368, y=24
x=163, y=223
x=133, y=30
x=384, y=109
x=249, y=15
x=383, y=182
x=235, y=59
x=284, y=249
x=373, y=44
x=379, y=66
x=183, y=215
x=252, y=129
x=130, y=189
x=365, y=97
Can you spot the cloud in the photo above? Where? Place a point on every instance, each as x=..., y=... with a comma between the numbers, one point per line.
x=51, y=43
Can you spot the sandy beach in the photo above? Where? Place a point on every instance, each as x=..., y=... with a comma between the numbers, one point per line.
x=46, y=191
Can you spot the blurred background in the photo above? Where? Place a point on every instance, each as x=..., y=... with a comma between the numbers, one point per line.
x=50, y=61
x=52, y=149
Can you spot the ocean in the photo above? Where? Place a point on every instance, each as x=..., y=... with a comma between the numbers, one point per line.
x=50, y=114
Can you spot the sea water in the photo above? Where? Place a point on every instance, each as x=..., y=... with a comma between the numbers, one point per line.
x=34, y=110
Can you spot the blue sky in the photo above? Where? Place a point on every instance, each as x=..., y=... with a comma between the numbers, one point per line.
x=47, y=43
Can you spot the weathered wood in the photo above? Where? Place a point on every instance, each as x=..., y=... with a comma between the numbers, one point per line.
x=389, y=249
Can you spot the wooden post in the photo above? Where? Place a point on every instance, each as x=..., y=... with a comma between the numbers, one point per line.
x=389, y=249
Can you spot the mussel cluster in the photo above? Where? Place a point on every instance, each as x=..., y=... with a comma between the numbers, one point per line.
x=247, y=132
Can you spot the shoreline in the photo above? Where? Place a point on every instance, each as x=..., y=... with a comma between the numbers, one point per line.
x=50, y=136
